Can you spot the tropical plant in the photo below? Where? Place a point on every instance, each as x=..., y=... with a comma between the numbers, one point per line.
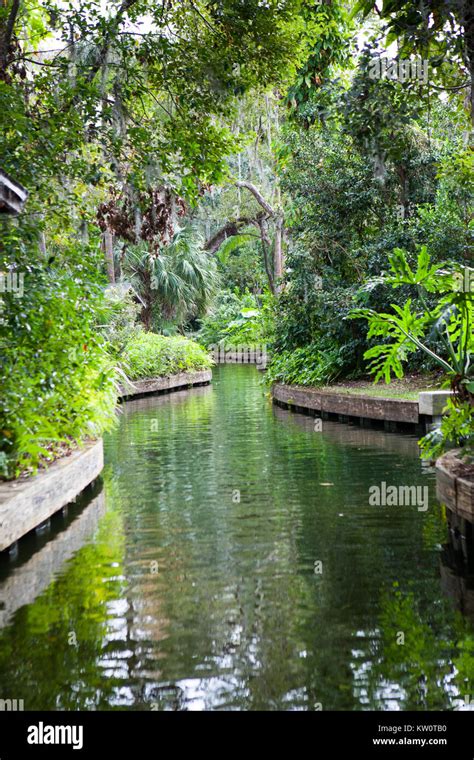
x=234, y=320
x=450, y=321
x=443, y=331
x=174, y=283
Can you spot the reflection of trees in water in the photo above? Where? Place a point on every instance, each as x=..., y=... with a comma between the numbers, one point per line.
x=36, y=567
x=36, y=659
x=349, y=434
x=457, y=564
x=235, y=616
x=421, y=656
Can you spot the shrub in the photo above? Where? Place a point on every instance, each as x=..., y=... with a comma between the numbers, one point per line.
x=152, y=355
x=58, y=384
x=235, y=320
x=118, y=320
x=310, y=365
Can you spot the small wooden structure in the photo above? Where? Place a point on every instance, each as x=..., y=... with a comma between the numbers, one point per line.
x=12, y=195
x=27, y=503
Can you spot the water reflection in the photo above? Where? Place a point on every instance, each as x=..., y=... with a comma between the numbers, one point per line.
x=457, y=564
x=34, y=569
x=176, y=398
x=351, y=434
x=199, y=591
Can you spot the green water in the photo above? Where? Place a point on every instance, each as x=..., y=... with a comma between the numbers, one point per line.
x=188, y=582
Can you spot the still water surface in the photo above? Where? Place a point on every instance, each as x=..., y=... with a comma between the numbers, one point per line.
x=187, y=580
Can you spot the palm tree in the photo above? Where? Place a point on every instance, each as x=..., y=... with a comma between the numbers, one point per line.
x=175, y=282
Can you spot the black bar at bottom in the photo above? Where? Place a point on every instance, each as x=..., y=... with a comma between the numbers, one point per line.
x=131, y=734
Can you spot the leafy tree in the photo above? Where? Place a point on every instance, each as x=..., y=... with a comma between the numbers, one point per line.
x=442, y=30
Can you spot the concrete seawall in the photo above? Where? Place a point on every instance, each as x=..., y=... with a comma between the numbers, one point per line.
x=26, y=504
x=164, y=384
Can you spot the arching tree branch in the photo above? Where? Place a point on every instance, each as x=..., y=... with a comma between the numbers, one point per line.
x=229, y=229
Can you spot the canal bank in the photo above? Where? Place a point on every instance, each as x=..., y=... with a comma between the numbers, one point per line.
x=393, y=413
x=454, y=477
x=158, y=385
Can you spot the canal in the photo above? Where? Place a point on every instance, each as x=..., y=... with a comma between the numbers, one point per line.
x=230, y=559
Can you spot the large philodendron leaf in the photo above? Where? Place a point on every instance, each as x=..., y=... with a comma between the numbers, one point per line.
x=425, y=275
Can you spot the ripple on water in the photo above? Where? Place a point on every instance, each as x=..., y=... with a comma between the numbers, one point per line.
x=240, y=565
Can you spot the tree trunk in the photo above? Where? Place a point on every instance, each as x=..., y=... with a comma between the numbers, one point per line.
x=146, y=315
x=6, y=37
x=467, y=20
x=276, y=215
x=230, y=229
x=109, y=256
x=277, y=250
x=266, y=248
x=42, y=243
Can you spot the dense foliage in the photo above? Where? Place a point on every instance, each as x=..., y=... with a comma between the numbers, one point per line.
x=234, y=320
x=152, y=355
x=306, y=366
x=58, y=379
x=235, y=168
x=115, y=117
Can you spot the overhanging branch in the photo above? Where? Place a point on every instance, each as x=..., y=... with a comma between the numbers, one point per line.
x=229, y=229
